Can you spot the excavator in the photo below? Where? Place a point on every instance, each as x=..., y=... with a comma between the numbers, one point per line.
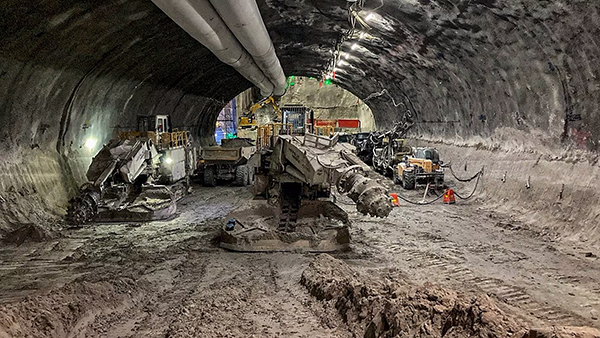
x=249, y=121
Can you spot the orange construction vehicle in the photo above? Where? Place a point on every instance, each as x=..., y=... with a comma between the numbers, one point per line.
x=422, y=167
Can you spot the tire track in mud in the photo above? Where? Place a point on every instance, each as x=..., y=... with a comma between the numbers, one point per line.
x=235, y=295
x=425, y=244
x=455, y=269
x=29, y=270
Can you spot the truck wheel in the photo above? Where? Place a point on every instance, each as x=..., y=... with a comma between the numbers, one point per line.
x=210, y=177
x=241, y=175
x=408, y=180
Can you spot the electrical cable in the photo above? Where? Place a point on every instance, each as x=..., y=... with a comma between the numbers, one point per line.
x=478, y=176
x=474, y=189
x=480, y=172
x=417, y=203
x=353, y=10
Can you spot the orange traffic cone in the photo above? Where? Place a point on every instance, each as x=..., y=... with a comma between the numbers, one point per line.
x=449, y=197
x=395, y=200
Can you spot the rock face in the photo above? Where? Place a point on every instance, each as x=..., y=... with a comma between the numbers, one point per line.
x=484, y=70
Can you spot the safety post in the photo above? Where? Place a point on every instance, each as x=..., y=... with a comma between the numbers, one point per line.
x=425, y=194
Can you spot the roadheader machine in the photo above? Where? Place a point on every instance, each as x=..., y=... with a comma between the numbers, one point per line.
x=137, y=176
x=294, y=208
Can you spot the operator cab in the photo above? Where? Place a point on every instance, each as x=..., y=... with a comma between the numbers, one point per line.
x=155, y=123
x=428, y=154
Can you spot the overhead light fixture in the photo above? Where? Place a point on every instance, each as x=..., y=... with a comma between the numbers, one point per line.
x=168, y=160
x=90, y=143
x=354, y=46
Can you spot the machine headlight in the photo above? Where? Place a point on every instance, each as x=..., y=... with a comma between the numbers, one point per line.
x=90, y=143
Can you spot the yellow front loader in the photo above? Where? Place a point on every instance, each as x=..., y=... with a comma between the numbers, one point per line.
x=422, y=167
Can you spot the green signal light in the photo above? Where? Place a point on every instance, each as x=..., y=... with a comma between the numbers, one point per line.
x=327, y=82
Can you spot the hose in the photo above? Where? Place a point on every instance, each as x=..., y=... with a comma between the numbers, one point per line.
x=417, y=203
x=478, y=176
x=480, y=172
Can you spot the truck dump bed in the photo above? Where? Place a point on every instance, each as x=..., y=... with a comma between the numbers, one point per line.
x=221, y=154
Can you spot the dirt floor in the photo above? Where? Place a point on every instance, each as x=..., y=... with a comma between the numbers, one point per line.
x=493, y=276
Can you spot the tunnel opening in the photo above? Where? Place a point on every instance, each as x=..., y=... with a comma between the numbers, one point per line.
x=330, y=105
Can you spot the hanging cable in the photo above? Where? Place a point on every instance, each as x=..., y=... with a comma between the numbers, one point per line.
x=353, y=10
x=480, y=172
x=477, y=176
x=383, y=91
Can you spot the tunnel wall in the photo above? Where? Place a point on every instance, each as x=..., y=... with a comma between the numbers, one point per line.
x=519, y=73
x=71, y=71
x=518, y=76
x=548, y=195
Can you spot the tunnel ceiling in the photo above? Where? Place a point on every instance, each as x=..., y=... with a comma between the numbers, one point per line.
x=464, y=68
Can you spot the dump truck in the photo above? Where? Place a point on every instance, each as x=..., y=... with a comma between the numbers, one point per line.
x=295, y=206
x=137, y=176
x=232, y=161
x=422, y=167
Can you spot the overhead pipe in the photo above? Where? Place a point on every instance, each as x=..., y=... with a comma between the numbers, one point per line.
x=244, y=20
x=200, y=20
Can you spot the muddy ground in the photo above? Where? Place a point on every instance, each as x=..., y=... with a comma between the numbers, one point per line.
x=170, y=279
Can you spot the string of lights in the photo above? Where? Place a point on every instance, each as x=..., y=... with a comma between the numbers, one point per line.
x=354, y=8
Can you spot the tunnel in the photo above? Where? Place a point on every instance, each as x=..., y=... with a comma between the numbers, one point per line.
x=507, y=89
